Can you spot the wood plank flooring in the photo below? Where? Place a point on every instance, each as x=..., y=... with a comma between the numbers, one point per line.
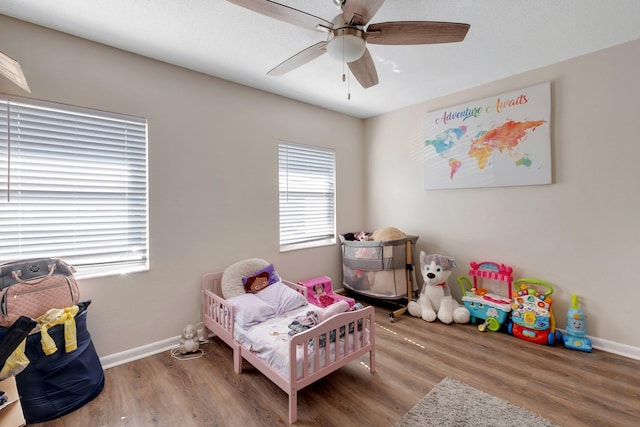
x=570, y=388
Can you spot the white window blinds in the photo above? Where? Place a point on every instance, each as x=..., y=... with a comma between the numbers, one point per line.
x=73, y=185
x=307, y=200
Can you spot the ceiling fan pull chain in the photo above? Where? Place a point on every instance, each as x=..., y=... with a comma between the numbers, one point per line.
x=343, y=76
x=348, y=77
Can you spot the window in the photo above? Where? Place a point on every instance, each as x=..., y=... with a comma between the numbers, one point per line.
x=307, y=196
x=73, y=185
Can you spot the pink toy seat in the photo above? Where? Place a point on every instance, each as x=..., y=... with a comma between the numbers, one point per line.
x=320, y=292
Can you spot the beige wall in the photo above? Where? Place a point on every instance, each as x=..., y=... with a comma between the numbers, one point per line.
x=580, y=234
x=213, y=182
x=213, y=192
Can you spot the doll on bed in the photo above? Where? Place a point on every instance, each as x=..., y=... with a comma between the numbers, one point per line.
x=323, y=299
x=257, y=283
x=320, y=293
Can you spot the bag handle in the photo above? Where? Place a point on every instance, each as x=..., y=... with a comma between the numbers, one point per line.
x=17, y=273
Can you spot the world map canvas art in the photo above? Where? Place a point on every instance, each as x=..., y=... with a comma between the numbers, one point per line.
x=498, y=141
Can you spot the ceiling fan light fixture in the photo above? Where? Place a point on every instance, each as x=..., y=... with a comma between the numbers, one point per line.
x=339, y=3
x=346, y=44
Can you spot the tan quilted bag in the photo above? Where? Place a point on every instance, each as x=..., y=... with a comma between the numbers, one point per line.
x=35, y=296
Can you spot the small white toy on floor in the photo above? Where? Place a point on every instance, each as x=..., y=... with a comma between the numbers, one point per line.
x=435, y=300
x=189, y=341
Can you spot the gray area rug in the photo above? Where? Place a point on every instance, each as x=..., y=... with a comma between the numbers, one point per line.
x=452, y=403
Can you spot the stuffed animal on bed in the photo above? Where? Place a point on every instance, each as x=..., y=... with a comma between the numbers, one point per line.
x=323, y=298
x=257, y=283
x=435, y=300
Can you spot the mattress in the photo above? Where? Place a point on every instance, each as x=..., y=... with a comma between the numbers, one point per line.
x=269, y=340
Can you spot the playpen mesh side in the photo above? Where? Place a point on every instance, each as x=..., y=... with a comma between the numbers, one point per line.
x=360, y=259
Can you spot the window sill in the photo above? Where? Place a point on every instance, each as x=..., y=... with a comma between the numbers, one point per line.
x=95, y=272
x=307, y=245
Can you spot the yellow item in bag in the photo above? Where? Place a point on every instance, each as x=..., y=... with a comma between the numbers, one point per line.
x=16, y=362
x=58, y=316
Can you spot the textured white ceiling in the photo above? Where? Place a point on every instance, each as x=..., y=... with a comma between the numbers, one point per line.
x=221, y=39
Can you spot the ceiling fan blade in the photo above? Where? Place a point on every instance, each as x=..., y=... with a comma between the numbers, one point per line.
x=10, y=68
x=299, y=59
x=364, y=70
x=285, y=13
x=359, y=12
x=416, y=32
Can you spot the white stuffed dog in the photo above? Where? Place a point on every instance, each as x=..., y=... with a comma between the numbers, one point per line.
x=435, y=300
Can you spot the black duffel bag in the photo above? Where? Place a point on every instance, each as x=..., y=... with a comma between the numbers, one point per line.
x=54, y=385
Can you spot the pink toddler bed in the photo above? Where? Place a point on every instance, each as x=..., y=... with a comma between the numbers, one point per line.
x=263, y=334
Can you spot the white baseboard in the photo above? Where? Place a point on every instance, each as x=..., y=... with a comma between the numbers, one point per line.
x=126, y=356
x=616, y=348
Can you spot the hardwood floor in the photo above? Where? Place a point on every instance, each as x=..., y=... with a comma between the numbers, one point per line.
x=570, y=388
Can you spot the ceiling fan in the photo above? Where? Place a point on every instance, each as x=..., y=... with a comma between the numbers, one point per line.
x=347, y=36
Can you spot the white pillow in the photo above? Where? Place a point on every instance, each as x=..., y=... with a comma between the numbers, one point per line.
x=282, y=298
x=250, y=310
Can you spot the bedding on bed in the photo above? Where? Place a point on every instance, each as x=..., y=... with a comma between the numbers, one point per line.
x=269, y=340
